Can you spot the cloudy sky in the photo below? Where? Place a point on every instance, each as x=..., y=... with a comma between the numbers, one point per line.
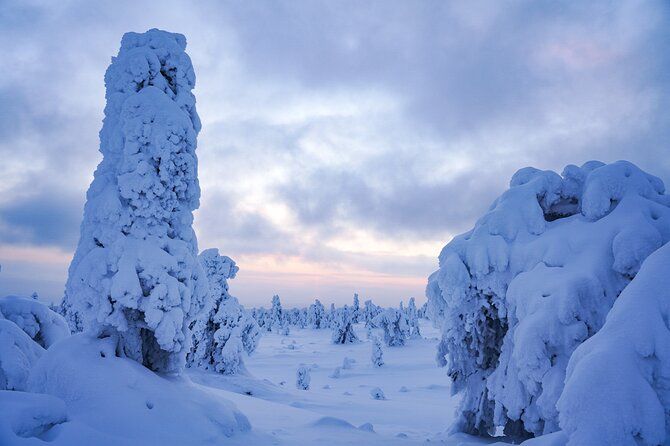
x=344, y=142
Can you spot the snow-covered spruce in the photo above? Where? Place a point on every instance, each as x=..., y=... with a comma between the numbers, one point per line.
x=224, y=332
x=377, y=394
x=302, y=378
x=316, y=315
x=342, y=326
x=276, y=315
x=377, y=356
x=413, y=319
x=535, y=278
x=38, y=321
x=617, y=391
x=135, y=273
x=356, y=309
x=395, y=326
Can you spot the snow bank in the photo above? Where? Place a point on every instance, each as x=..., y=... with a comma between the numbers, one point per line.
x=18, y=355
x=135, y=271
x=120, y=398
x=535, y=278
x=617, y=390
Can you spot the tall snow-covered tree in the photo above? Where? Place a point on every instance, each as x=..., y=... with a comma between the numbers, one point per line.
x=535, y=278
x=395, y=326
x=135, y=273
x=356, y=309
x=343, y=330
x=413, y=319
x=224, y=331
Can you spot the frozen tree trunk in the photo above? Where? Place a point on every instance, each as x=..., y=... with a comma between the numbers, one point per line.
x=135, y=274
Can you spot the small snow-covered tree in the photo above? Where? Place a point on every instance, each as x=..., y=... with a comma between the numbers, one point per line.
x=276, y=314
x=413, y=319
x=535, y=277
x=224, y=331
x=617, y=388
x=377, y=356
x=356, y=309
x=303, y=378
x=343, y=330
x=135, y=272
x=316, y=315
x=332, y=315
x=395, y=326
x=370, y=310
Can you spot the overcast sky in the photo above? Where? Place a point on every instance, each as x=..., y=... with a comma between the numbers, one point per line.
x=343, y=142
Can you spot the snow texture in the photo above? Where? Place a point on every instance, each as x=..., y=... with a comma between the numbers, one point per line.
x=617, y=390
x=135, y=273
x=535, y=278
x=224, y=332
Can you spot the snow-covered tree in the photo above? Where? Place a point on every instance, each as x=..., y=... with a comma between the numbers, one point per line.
x=303, y=378
x=535, y=278
x=224, y=331
x=316, y=315
x=135, y=272
x=617, y=388
x=370, y=311
x=276, y=314
x=377, y=356
x=332, y=316
x=395, y=326
x=356, y=309
x=343, y=330
x=413, y=319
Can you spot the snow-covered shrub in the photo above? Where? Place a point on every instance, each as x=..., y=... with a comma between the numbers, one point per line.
x=535, y=278
x=377, y=356
x=377, y=394
x=395, y=326
x=343, y=330
x=36, y=319
x=337, y=372
x=348, y=363
x=617, y=390
x=316, y=315
x=224, y=331
x=18, y=355
x=135, y=272
x=302, y=378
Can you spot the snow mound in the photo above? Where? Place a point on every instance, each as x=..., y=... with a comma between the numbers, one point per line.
x=617, y=390
x=332, y=422
x=36, y=319
x=18, y=355
x=535, y=278
x=119, y=397
x=28, y=415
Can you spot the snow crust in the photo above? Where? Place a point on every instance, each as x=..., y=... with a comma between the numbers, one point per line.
x=535, y=278
x=135, y=271
x=617, y=390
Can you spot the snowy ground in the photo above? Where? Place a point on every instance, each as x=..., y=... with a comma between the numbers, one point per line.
x=417, y=410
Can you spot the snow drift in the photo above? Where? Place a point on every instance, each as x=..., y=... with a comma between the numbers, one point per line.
x=535, y=278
